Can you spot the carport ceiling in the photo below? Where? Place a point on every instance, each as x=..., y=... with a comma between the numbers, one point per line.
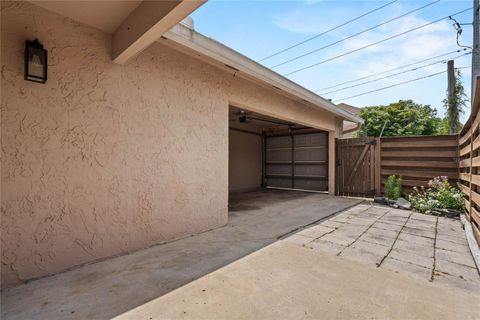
x=104, y=15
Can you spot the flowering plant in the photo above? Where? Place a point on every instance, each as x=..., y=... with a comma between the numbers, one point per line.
x=440, y=194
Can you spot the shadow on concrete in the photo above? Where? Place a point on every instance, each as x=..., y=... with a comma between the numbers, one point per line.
x=111, y=287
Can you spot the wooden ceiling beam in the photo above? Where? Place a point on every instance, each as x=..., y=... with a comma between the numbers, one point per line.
x=146, y=24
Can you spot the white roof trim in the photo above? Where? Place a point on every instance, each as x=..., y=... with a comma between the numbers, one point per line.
x=215, y=50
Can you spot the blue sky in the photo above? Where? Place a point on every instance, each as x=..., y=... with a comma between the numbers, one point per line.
x=260, y=28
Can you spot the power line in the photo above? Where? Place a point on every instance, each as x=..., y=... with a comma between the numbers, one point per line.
x=375, y=43
x=396, y=74
x=387, y=71
x=325, y=32
x=355, y=35
x=398, y=84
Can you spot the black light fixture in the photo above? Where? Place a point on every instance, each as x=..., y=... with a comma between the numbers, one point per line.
x=36, y=62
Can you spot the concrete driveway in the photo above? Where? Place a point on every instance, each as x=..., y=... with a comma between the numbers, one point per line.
x=367, y=263
x=108, y=288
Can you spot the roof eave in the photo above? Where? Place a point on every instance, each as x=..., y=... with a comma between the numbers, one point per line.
x=217, y=51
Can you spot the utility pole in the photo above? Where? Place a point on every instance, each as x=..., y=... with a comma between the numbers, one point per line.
x=476, y=43
x=451, y=95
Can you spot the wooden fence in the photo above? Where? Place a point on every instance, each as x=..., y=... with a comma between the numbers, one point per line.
x=364, y=164
x=469, y=164
x=419, y=159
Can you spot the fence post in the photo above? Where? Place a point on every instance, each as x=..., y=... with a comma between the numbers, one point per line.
x=378, y=167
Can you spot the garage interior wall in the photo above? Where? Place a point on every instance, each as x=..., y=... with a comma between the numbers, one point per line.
x=245, y=161
x=105, y=159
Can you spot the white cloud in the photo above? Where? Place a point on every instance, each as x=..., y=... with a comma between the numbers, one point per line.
x=417, y=45
x=424, y=43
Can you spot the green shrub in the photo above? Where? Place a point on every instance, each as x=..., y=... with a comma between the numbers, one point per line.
x=393, y=187
x=397, y=190
x=440, y=194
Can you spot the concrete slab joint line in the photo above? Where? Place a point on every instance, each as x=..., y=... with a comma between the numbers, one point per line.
x=338, y=254
x=336, y=228
x=394, y=241
x=283, y=236
x=434, y=250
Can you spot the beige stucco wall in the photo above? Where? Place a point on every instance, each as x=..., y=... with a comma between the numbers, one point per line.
x=245, y=161
x=105, y=159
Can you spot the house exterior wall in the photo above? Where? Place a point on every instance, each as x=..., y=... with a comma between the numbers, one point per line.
x=105, y=159
x=245, y=161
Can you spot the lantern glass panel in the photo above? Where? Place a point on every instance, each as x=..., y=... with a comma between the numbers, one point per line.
x=35, y=62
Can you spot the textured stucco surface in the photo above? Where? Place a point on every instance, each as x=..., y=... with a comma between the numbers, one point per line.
x=245, y=161
x=105, y=159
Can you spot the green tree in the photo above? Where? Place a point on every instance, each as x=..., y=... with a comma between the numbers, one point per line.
x=455, y=105
x=444, y=127
x=403, y=118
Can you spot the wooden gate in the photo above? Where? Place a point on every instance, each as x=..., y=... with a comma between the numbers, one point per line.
x=357, y=165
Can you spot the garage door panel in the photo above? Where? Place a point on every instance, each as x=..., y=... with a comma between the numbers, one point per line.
x=311, y=154
x=279, y=142
x=316, y=185
x=279, y=169
x=298, y=161
x=311, y=170
x=311, y=139
x=279, y=182
x=276, y=155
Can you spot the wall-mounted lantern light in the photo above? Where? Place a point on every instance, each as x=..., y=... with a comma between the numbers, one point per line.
x=35, y=61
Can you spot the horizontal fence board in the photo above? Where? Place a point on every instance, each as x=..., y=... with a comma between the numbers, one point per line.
x=464, y=189
x=419, y=174
x=475, y=123
x=419, y=144
x=407, y=183
x=476, y=143
x=475, y=179
x=476, y=232
x=411, y=182
x=476, y=162
x=467, y=205
x=421, y=138
x=475, y=216
x=464, y=138
x=420, y=154
x=475, y=197
x=464, y=151
x=419, y=164
x=464, y=176
x=465, y=163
